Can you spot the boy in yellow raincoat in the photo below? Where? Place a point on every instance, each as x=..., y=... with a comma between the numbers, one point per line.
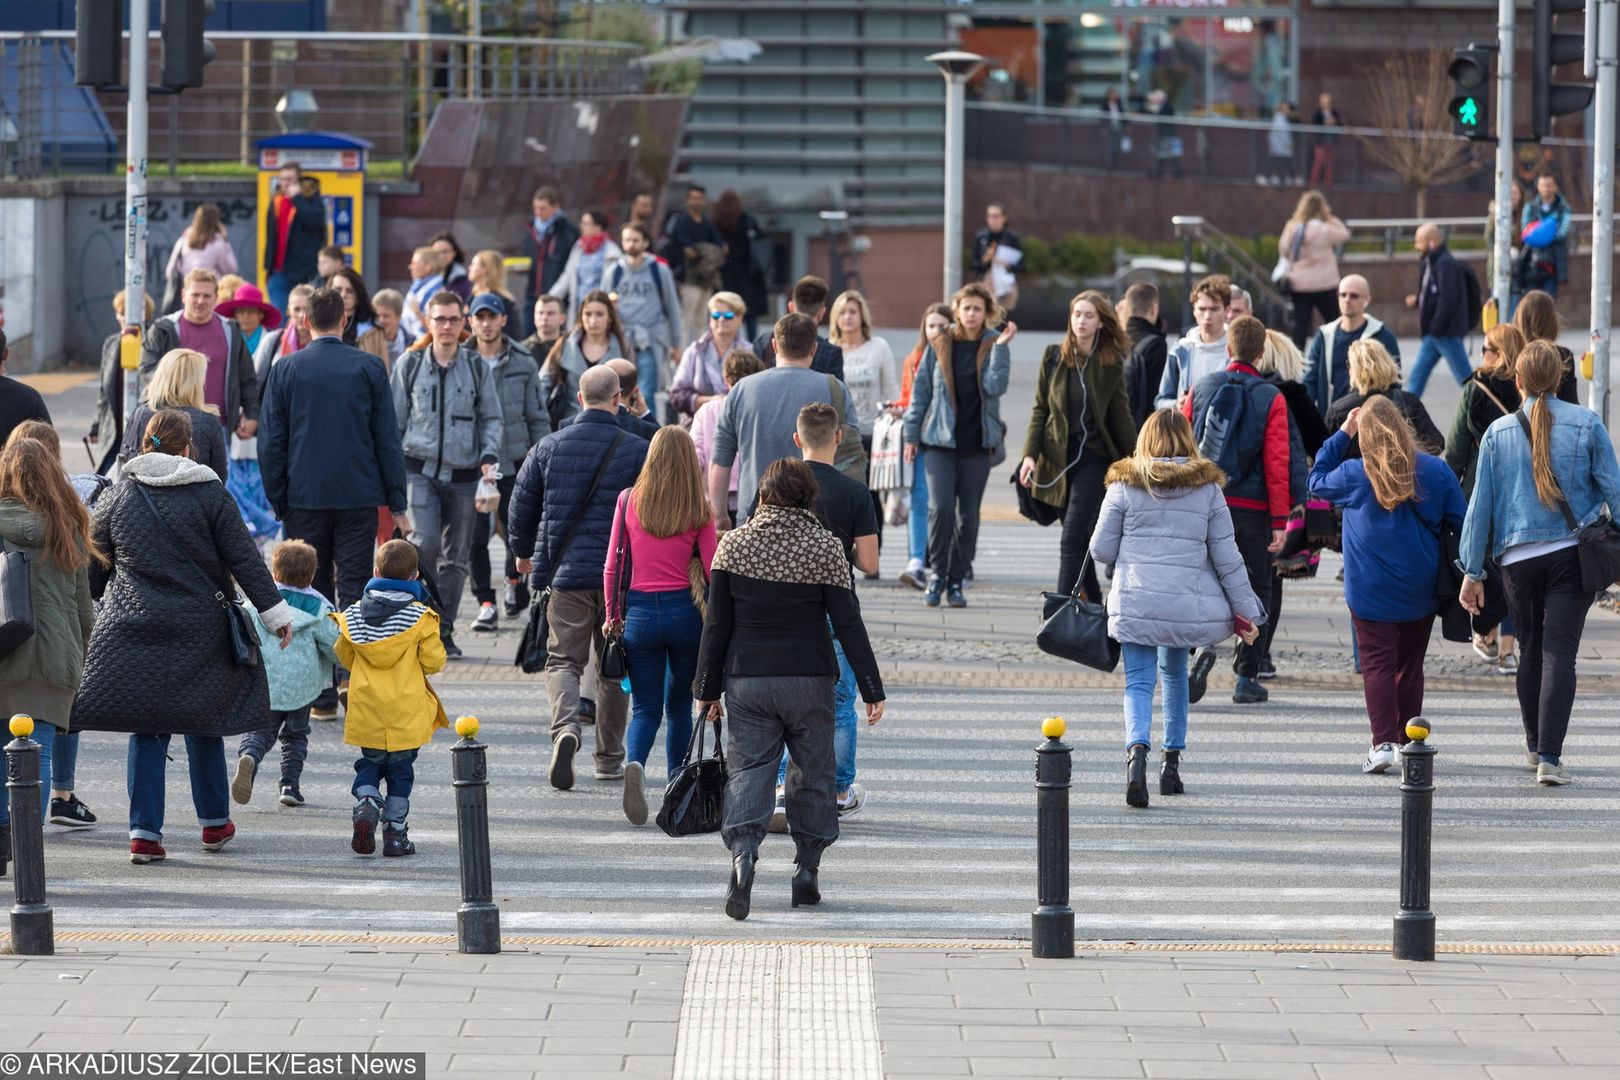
x=390, y=644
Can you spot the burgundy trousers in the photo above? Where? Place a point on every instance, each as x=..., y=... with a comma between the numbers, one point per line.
x=1392, y=674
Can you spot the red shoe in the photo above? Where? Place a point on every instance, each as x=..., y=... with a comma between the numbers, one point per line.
x=145, y=851
x=217, y=836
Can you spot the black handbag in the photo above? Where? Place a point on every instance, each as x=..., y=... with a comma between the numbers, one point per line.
x=1031, y=507
x=1076, y=629
x=531, y=650
x=614, y=663
x=695, y=797
x=1455, y=622
x=16, y=600
x=241, y=636
x=1597, y=544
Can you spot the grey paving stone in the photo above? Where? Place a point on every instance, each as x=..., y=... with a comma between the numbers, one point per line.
x=1227, y=1070
x=261, y=992
x=85, y=1005
x=1541, y=1022
x=180, y=1024
x=1138, y=1049
x=1027, y=1067
x=1524, y=1054
x=1315, y=1053
x=1330, y=1071
x=899, y=1065
x=1067, y=1017
x=1008, y=1048
x=156, y=1042
x=228, y=1040
x=27, y=1004
x=595, y=1044
x=248, y=1010
x=426, y=1027
x=1537, y=1072
x=13, y=1032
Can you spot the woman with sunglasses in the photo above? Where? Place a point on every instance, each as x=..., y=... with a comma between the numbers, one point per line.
x=701, y=377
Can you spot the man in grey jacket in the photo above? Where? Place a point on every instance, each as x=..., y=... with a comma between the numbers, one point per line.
x=450, y=427
x=524, y=422
x=643, y=289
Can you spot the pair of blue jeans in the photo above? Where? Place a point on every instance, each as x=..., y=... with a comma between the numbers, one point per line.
x=917, y=524
x=1144, y=666
x=276, y=287
x=398, y=768
x=44, y=739
x=148, y=762
x=647, y=376
x=64, y=759
x=844, y=726
x=661, y=635
x=1429, y=353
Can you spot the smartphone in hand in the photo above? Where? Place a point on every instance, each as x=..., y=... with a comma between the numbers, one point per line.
x=1245, y=629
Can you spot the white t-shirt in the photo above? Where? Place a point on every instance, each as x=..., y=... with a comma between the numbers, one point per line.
x=873, y=377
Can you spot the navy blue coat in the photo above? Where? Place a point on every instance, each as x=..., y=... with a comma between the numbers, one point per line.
x=328, y=439
x=1443, y=296
x=550, y=493
x=635, y=425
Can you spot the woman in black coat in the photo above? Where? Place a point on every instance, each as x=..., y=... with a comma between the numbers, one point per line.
x=177, y=383
x=1373, y=374
x=159, y=661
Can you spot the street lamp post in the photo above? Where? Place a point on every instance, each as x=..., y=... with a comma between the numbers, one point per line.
x=956, y=66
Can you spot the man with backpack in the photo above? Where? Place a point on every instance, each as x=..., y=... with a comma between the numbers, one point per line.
x=643, y=289
x=1242, y=424
x=1448, y=302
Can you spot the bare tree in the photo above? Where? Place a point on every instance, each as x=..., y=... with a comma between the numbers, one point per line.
x=1407, y=99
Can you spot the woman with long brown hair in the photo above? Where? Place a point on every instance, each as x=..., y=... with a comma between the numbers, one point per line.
x=1536, y=317
x=1542, y=472
x=1312, y=281
x=659, y=553
x=42, y=517
x=1081, y=424
x=1395, y=500
x=598, y=335
x=204, y=245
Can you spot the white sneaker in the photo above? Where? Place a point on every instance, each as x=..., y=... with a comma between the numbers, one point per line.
x=1550, y=775
x=635, y=795
x=1380, y=759
x=778, y=822
x=1532, y=759
x=850, y=801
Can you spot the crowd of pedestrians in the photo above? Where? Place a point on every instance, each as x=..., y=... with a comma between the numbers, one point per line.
x=347, y=457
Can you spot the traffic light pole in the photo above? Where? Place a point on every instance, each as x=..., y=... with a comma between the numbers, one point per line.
x=135, y=194
x=1603, y=138
x=1502, y=283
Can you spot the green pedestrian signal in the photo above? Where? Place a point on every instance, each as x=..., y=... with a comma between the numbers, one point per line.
x=1468, y=111
x=1470, y=104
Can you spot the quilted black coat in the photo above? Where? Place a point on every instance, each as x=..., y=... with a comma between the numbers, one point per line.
x=550, y=493
x=159, y=659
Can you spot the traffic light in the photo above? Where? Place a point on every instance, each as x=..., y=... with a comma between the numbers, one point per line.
x=1547, y=98
x=185, y=50
x=1470, y=104
x=98, y=54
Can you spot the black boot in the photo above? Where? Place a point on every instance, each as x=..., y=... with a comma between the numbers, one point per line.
x=1170, y=773
x=805, y=889
x=1136, y=792
x=738, y=896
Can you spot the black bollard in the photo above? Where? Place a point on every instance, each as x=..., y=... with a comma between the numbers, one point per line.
x=478, y=920
x=1414, y=923
x=1052, y=924
x=32, y=930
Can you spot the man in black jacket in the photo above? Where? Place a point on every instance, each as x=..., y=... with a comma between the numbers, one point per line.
x=294, y=233
x=548, y=239
x=552, y=498
x=18, y=401
x=809, y=298
x=329, y=450
x=1444, y=318
x=632, y=415
x=1145, y=367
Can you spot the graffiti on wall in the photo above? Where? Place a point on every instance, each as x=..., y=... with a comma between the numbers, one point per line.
x=95, y=250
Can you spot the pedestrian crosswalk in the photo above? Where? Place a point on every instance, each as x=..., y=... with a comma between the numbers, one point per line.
x=1279, y=838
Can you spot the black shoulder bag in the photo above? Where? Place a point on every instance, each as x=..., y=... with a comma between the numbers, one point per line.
x=16, y=600
x=1597, y=544
x=695, y=797
x=243, y=639
x=531, y=653
x=1074, y=628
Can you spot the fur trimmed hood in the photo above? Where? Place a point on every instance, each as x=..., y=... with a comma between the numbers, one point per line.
x=1175, y=474
x=168, y=470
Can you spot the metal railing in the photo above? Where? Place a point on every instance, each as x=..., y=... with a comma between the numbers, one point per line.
x=1225, y=255
x=1204, y=147
x=382, y=87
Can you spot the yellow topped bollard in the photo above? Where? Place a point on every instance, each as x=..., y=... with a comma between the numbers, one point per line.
x=478, y=920
x=22, y=725
x=32, y=929
x=1052, y=924
x=1054, y=727
x=467, y=727
x=1414, y=922
x=1417, y=729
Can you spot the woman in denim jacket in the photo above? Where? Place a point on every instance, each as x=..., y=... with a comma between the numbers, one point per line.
x=1520, y=480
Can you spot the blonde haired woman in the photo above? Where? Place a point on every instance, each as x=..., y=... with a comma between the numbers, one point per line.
x=1521, y=508
x=701, y=377
x=1307, y=243
x=177, y=383
x=1373, y=374
x=1395, y=500
x=487, y=272
x=663, y=525
x=871, y=373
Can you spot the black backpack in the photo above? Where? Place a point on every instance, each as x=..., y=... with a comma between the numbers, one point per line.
x=1476, y=296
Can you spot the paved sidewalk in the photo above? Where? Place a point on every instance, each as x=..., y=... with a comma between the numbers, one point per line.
x=815, y=1012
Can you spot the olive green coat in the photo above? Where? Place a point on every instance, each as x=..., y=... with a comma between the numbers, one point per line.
x=1048, y=438
x=42, y=676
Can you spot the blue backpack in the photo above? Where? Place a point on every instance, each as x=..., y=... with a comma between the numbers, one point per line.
x=1221, y=427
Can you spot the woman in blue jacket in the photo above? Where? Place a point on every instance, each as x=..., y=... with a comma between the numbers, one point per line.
x=1395, y=500
x=955, y=412
x=1538, y=467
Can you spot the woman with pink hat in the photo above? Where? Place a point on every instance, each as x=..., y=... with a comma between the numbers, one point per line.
x=252, y=314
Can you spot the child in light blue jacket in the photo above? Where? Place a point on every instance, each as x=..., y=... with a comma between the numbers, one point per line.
x=297, y=674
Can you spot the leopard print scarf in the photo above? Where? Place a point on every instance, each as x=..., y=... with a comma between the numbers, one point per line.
x=784, y=544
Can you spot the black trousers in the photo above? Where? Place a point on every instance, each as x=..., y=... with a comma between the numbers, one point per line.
x=344, y=542
x=483, y=589
x=1324, y=303
x=1273, y=614
x=1252, y=530
x=1549, y=612
x=955, y=490
x=1087, y=487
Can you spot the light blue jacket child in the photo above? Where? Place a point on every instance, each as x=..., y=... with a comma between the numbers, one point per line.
x=303, y=669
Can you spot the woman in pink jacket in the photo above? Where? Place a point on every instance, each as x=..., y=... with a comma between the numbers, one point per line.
x=1312, y=280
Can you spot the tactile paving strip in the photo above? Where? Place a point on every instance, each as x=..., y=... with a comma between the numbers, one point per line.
x=774, y=1012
